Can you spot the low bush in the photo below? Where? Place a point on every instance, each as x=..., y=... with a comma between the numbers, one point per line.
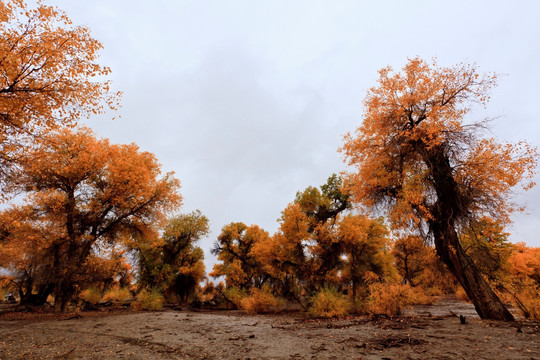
x=260, y=302
x=235, y=295
x=389, y=298
x=117, y=294
x=419, y=296
x=92, y=295
x=148, y=300
x=329, y=302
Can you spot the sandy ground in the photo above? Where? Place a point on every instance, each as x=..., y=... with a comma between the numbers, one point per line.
x=234, y=335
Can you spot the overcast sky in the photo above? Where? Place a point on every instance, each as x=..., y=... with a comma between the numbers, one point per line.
x=247, y=101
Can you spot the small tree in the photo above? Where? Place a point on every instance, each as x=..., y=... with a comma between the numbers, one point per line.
x=176, y=264
x=238, y=263
x=411, y=256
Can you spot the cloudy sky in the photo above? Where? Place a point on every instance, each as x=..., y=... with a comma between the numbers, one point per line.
x=247, y=101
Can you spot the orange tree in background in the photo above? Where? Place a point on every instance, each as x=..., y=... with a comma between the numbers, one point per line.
x=239, y=265
x=83, y=195
x=521, y=281
x=48, y=76
x=410, y=254
x=415, y=156
x=320, y=252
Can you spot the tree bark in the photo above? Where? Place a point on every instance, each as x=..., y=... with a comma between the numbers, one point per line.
x=486, y=302
x=38, y=299
x=443, y=227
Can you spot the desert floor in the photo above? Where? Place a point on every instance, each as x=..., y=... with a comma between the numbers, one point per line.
x=429, y=332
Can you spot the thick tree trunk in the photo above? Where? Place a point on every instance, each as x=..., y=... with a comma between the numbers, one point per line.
x=486, y=302
x=447, y=208
x=38, y=299
x=63, y=294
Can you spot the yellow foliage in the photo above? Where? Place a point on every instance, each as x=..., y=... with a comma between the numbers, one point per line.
x=92, y=295
x=330, y=303
x=49, y=74
x=419, y=296
x=261, y=301
x=521, y=284
x=117, y=294
x=148, y=300
x=389, y=298
x=461, y=294
x=530, y=298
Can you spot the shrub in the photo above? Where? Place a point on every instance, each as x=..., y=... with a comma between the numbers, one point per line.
x=92, y=295
x=529, y=297
x=389, y=298
x=329, y=302
x=261, y=301
x=525, y=298
x=235, y=295
x=117, y=294
x=148, y=300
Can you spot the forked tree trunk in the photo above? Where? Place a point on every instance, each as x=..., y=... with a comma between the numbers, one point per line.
x=443, y=226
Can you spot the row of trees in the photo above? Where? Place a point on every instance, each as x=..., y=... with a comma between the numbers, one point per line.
x=86, y=205
x=421, y=165
x=324, y=252
x=79, y=202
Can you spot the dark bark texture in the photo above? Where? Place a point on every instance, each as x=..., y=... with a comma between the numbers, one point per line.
x=448, y=207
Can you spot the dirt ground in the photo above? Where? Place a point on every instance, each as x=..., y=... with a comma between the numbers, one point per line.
x=234, y=335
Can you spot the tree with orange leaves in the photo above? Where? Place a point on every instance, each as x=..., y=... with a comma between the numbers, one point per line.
x=415, y=155
x=49, y=76
x=84, y=194
x=410, y=254
x=234, y=248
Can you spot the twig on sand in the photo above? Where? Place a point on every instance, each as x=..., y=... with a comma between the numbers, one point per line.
x=65, y=355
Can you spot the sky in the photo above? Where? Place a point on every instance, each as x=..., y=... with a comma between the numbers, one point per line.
x=248, y=101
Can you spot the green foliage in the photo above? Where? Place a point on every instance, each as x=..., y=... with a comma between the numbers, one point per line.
x=176, y=265
x=148, y=300
x=329, y=302
x=235, y=295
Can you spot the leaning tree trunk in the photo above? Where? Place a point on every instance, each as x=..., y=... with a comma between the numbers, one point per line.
x=449, y=205
x=486, y=302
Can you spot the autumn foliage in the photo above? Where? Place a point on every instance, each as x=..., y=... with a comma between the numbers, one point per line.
x=422, y=213
x=83, y=196
x=416, y=156
x=49, y=76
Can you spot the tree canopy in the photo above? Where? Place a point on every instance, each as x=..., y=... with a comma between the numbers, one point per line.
x=49, y=76
x=84, y=194
x=417, y=157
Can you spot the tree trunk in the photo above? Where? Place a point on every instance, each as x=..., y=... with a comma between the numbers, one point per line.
x=63, y=294
x=446, y=210
x=38, y=299
x=486, y=302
